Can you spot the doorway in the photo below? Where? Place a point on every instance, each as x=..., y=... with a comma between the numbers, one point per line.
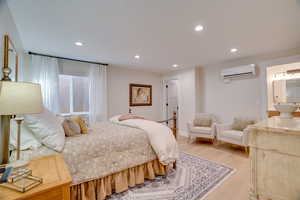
x=171, y=100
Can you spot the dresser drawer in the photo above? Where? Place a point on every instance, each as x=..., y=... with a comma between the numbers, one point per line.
x=276, y=141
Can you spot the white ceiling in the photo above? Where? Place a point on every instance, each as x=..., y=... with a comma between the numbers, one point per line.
x=160, y=31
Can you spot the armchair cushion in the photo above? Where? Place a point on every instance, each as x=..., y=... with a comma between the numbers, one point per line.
x=232, y=134
x=203, y=130
x=202, y=121
x=241, y=124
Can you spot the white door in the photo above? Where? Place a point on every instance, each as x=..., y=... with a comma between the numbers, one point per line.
x=171, y=99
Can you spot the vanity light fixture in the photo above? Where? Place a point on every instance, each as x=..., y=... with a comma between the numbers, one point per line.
x=78, y=43
x=175, y=65
x=137, y=56
x=293, y=71
x=286, y=76
x=199, y=28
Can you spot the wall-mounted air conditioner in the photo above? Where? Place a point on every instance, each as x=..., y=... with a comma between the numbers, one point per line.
x=239, y=72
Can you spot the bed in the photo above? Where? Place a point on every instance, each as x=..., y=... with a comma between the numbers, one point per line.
x=115, y=156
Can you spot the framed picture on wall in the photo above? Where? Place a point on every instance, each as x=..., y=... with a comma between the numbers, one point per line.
x=140, y=95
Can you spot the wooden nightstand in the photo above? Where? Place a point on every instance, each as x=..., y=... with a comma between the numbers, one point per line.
x=56, y=181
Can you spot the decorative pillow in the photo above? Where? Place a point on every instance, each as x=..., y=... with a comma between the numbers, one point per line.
x=28, y=141
x=130, y=116
x=71, y=128
x=203, y=122
x=241, y=124
x=47, y=129
x=115, y=119
x=81, y=123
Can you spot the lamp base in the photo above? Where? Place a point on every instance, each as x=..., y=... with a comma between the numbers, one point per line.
x=18, y=163
x=4, y=140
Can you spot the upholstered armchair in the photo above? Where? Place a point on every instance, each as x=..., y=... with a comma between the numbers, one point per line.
x=234, y=134
x=203, y=126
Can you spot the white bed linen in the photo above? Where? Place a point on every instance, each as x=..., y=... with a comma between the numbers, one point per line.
x=28, y=141
x=110, y=148
x=47, y=128
x=160, y=136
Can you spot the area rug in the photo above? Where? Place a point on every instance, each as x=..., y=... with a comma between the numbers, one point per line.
x=193, y=179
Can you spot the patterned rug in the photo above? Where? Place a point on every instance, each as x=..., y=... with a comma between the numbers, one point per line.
x=193, y=179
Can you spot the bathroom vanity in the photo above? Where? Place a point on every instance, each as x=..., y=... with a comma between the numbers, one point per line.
x=275, y=159
x=273, y=113
x=283, y=86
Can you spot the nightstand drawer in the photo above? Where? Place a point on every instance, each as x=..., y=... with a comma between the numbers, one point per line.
x=60, y=193
x=56, y=181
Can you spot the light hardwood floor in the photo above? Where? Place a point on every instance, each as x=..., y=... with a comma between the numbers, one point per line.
x=236, y=187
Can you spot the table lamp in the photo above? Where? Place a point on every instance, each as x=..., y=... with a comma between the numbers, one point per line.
x=16, y=98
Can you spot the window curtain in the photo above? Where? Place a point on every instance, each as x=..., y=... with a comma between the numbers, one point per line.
x=98, y=93
x=45, y=71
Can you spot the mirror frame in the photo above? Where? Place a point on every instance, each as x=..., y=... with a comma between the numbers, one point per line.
x=287, y=99
x=6, y=70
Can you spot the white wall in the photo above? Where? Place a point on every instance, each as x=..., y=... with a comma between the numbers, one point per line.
x=246, y=98
x=186, y=96
x=239, y=98
x=118, y=92
x=201, y=89
x=7, y=26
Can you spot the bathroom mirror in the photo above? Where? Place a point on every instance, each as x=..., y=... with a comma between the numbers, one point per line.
x=10, y=68
x=286, y=91
x=293, y=90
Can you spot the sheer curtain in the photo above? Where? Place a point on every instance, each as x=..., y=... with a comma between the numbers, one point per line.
x=98, y=93
x=45, y=71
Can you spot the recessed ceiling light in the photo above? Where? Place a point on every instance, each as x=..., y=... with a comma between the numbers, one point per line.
x=199, y=28
x=233, y=50
x=137, y=56
x=78, y=43
x=175, y=65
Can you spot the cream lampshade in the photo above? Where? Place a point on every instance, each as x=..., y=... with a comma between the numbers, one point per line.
x=16, y=98
x=20, y=98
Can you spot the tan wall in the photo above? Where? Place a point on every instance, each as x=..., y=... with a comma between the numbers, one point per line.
x=118, y=91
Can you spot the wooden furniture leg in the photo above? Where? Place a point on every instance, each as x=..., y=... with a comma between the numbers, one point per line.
x=175, y=131
x=246, y=150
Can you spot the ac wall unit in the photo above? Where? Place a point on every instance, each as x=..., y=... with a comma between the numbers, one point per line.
x=239, y=72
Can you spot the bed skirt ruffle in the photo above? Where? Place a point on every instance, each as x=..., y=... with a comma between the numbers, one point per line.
x=118, y=182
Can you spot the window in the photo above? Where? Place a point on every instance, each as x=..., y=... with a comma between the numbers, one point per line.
x=74, y=95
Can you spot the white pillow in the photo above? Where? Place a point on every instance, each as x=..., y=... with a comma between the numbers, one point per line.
x=28, y=141
x=47, y=129
x=60, y=118
x=115, y=119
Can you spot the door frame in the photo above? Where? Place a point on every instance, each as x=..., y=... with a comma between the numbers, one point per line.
x=165, y=111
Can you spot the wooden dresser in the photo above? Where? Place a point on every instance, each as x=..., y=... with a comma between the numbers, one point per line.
x=56, y=181
x=275, y=159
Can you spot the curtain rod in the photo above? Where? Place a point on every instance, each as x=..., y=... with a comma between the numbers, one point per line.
x=39, y=54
